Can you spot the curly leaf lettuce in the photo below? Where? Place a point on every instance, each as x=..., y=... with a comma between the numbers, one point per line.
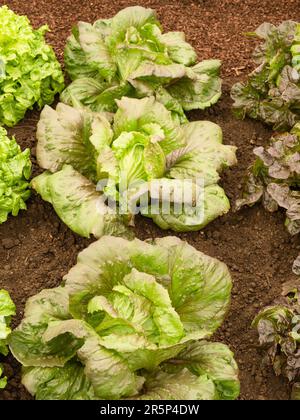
x=128, y=55
x=126, y=324
x=272, y=91
x=138, y=160
x=15, y=171
x=274, y=179
x=78, y=204
x=7, y=310
x=278, y=329
x=29, y=71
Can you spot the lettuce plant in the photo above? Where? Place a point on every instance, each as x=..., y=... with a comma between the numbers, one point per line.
x=29, y=71
x=130, y=320
x=139, y=155
x=15, y=170
x=279, y=335
x=128, y=55
x=7, y=310
x=274, y=178
x=272, y=92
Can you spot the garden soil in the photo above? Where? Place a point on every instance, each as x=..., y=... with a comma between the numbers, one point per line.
x=37, y=250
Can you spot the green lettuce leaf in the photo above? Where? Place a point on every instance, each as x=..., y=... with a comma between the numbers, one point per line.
x=67, y=383
x=94, y=95
x=68, y=136
x=205, y=371
x=30, y=72
x=141, y=115
x=202, y=158
x=123, y=310
x=3, y=380
x=179, y=50
x=200, y=88
x=272, y=91
x=15, y=171
x=7, y=310
x=180, y=204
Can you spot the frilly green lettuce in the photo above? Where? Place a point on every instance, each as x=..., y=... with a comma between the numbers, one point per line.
x=278, y=327
x=7, y=310
x=126, y=323
x=29, y=71
x=15, y=171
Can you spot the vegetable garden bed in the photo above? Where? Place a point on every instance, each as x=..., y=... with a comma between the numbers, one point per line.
x=37, y=249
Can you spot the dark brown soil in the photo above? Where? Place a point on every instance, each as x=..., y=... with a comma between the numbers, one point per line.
x=253, y=243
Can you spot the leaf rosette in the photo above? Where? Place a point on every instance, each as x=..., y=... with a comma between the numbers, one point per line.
x=128, y=55
x=278, y=327
x=102, y=169
x=15, y=171
x=272, y=91
x=29, y=71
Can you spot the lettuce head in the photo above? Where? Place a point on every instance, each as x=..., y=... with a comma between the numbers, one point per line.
x=131, y=320
x=129, y=55
x=274, y=178
x=29, y=71
x=7, y=310
x=103, y=169
x=272, y=91
x=278, y=328
x=15, y=171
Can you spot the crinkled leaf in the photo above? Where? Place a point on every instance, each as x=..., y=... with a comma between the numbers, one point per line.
x=107, y=371
x=7, y=310
x=204, y=156
x=126, y=307
x=3, y=379
x=214, y=361
x=94, y=95
x=87, y=55
x=179, y=50
x=272, y=91
x=274, y=178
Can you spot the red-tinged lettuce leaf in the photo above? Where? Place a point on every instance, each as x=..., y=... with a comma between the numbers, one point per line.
x=29, y=71
x=129, y=55
x=278, y=327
